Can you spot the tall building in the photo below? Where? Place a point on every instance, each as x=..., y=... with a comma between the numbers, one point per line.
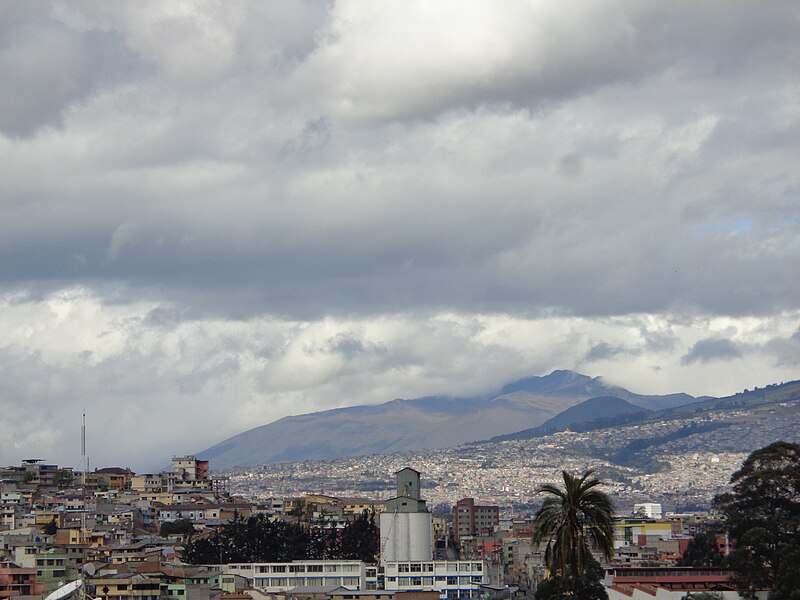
x=406, y=524
x=188, y=468
x=470, y=519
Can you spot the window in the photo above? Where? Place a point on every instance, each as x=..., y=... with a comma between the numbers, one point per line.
x=279, y=568
x=402, y=568
x=416, y=568
x=297, y=568
x=314, y=568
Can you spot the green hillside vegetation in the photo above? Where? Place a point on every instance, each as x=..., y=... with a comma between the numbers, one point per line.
x=770, y=394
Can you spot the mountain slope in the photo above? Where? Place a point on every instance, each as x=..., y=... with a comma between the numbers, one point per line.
x=430, y=422
x=590, y=411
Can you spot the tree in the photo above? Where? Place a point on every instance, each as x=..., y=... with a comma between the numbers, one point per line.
x=702, y=551
x=574, y=519
x=50, y=528
x=182, y=527
x=562, y=588
x=360, y=539
x=63, y=478
x=703, y=596
x=762, y=515
x=787, y=578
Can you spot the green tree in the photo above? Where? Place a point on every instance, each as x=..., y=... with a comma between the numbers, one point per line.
x=762, y=515
x=203, y=551
x=182, y=527
x=702, y=551
x=573, y=520
x=563, y=588
x=63, y=478
x=787, y=578
x=703, y=596
x=50, y=528
x=360, y=539
x=253, y=539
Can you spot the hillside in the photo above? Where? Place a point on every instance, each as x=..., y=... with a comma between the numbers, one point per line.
x=429, y=422
x=580, y=416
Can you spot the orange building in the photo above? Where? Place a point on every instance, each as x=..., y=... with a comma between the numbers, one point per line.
x=18, y=581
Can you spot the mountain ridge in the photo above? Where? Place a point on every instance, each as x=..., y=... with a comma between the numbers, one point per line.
x=417, y=423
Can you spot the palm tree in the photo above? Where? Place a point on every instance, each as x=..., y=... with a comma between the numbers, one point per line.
x=574, y=520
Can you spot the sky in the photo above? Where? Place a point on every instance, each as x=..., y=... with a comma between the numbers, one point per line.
x=216, y=214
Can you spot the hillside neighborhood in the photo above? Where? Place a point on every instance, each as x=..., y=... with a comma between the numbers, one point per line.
x=119, y=535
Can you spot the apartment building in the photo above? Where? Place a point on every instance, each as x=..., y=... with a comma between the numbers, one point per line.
x=471, y=520
x=451, y=579
x=281, y=577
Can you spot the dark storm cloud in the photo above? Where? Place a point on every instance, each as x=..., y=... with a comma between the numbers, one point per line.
x=46, y=67
x=244, y=165
x=709, y=350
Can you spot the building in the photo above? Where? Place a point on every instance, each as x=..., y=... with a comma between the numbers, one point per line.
x=188, y=468
x=471, y=520
x=451, y=579
x=126, y=586
x=406, y=525
x=668, y=583
x=651, y=510
x=18, y=581
x=281, y=577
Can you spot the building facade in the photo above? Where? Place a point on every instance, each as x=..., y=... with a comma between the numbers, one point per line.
x=406, y=526
x=471, y=520
x=281, y=577
x=451, y=579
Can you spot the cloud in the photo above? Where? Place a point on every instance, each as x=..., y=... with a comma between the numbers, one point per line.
x=142, y=371
x=711, y=350
x=314, y=204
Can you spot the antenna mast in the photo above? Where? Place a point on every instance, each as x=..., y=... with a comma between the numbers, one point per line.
x=85, y=464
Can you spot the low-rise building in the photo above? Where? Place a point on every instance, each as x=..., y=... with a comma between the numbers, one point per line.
x=279, y=577
x=451, y=579
x=18, y=581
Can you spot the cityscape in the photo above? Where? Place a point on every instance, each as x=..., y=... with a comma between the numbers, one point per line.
x=399, y=300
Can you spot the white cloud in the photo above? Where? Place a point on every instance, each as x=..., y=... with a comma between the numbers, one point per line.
x=152, y=385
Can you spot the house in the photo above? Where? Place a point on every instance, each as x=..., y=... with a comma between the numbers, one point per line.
x=667, y=583
x=18, y=581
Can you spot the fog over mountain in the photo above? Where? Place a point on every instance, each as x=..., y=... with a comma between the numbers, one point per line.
x=217, y=215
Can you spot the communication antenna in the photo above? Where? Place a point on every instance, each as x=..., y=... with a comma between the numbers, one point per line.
x=85, y=464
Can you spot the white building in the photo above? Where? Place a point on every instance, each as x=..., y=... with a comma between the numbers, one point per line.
x=281, y=577
x=406, y=525
x=452, y=579
x=650, y=510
